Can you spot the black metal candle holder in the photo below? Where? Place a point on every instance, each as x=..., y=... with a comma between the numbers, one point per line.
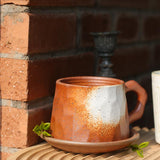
x=105, y=44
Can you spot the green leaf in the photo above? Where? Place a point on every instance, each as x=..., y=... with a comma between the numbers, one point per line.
x=140, y=153
x=138, y=148
x=39, y=133
x=37, y=130
x=143, y=145
x=46, y=134
x=46, y=126
x=134, y=147
x=42, y=129
x=41, y=126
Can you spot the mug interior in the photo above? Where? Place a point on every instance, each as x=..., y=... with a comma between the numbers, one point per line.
x=90, y=81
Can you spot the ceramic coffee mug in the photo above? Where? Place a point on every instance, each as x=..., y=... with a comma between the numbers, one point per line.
x=156, y=103
x=94, y=109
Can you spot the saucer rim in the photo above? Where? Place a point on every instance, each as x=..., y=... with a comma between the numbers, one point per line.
x=134, y=135
x=92, y=147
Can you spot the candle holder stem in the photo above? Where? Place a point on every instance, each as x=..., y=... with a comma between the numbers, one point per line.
x=105, y=44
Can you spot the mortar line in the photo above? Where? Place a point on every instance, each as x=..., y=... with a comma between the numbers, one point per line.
x=79, y=51
x=70, y=9
x=8, y=149
x=92, y=9
x=45, y=101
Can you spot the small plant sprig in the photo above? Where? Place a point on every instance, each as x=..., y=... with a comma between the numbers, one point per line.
x=138, y=148
x=41, y=130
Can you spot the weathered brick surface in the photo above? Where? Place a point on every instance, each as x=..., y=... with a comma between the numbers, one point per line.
x=13, y=79
x=124, y=3
x=131, y=61
x=43, y=73
x=25, y=80
x=37, y=33
x=51, y=32
x=14, y=33
x=151, y=27
x=17, y=124
x=128, y=25
x=20, y=2
x=13, y=127
x=4, y=155
x=93, y=23
x=51, y=2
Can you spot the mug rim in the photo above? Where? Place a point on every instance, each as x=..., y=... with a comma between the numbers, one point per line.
x=157, y=72
x=118, y=82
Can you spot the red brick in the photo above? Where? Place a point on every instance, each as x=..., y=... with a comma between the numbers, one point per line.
x=13, y=79
x=25, y=80
x=43, y=73
x=37, y=33
x=51, y=2
x=151, y=28
x=51, y=32
x=14, y=33
x=155, y=4
x=4, y=155
x=128, y=26
x=156, y=61
x=124, y=3
x=131, y=61
x=62, y=3
x=93, y=23
x=20, y=2
x=17, y=124
x=13, y=127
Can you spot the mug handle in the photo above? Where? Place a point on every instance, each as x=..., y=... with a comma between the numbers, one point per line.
x=141, y=100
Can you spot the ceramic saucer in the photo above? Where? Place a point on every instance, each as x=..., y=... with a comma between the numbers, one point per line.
x=91, y=147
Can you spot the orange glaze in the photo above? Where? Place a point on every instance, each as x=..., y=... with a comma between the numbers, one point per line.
x=71, y=120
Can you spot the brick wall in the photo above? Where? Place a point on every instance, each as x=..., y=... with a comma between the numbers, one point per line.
x=41, y=41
